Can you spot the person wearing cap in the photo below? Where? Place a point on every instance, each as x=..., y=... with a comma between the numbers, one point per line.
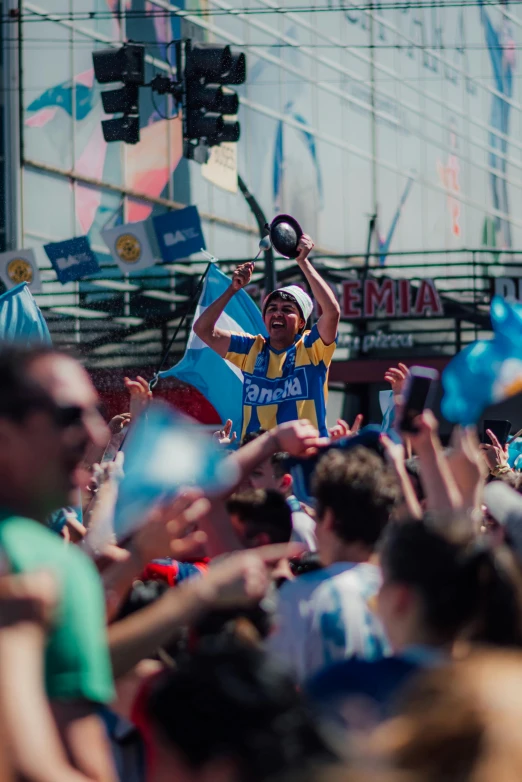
x=285, y=373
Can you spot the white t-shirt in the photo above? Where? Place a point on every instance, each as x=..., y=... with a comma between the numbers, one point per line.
x=303, y=530
x=325, y=616
x=303, y=525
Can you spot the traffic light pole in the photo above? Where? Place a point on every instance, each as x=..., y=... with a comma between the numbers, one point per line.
x=270, y=272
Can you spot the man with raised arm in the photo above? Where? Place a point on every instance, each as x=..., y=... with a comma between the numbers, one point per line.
x=286, y=373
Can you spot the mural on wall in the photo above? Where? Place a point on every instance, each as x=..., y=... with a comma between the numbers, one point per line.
x=431, y=147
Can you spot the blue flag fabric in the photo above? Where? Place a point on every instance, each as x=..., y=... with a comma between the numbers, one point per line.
x=178, y=453
x=218, y=380
x=488, y=371
x=20, y=317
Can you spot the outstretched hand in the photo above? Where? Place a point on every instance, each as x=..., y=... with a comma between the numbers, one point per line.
x=299, y=438
x=140, y=394
x=396, y=377
x=342, y=429
x=225, y=436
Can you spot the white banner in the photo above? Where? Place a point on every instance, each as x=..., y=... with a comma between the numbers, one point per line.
x=221, y=169
x=131, y=246
x=20, y=266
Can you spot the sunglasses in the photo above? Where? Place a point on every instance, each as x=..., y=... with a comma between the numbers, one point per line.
x=68, y=416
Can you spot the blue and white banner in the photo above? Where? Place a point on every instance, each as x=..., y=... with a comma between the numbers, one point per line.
x=20, y=318
x=179, y=233
x=132, y=246
x=218, y=380
x=20, y=266
x=72, y=259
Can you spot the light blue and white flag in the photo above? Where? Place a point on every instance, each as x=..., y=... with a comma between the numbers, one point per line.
x=165, y=451
x=218, y=380
x=20, y=317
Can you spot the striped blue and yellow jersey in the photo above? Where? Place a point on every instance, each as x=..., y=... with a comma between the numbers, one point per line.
x=282, y=385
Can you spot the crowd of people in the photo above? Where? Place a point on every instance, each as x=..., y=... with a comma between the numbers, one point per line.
x=368, y=628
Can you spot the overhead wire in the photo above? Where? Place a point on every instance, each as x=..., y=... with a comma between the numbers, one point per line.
x=129, y=15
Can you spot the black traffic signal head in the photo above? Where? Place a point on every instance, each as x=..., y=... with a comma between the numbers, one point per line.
x=208, y=66
x=126, y=64
x=125, y=129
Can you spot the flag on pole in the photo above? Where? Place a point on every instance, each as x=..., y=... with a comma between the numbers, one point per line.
x=487, y=371
x=20, y=266
x=132, y=246
x=218, y=380
x=20, y=317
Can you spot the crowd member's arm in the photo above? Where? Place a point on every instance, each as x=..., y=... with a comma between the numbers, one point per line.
x=439, y=484
x=27, y=604
x=467, y=466
x=205, y=326
x=297, y=438
x=166, y=533
x=321, y=291
x=238, y=580
x=395, y=456
x=85, y=738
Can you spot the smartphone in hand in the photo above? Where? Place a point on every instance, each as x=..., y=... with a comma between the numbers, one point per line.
x=418, y=394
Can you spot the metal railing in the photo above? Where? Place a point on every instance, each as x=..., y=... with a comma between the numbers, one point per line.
x=111, y=320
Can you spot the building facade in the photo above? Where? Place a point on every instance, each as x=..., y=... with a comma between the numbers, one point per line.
x=395, y=129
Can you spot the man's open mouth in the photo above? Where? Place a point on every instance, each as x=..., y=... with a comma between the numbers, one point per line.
x=278, y=324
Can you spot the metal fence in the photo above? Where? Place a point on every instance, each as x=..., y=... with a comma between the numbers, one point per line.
x=112, y=320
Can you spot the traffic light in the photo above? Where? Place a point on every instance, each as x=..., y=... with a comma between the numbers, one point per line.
x=208, y=67
x=126, y=65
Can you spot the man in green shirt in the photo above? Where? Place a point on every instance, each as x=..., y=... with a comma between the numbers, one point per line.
x=48, y=417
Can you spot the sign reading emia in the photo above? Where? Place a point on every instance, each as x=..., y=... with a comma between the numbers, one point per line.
x=390, y=298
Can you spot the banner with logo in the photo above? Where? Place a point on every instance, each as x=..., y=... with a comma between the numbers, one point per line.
x=73, y=259
x=20, y=266
x=131, y=246
x=179, y=233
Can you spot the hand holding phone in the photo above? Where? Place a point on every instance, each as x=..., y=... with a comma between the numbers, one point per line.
x=419, y=393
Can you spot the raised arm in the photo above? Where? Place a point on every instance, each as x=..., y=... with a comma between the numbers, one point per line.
x=205, y=326
x=322, y=293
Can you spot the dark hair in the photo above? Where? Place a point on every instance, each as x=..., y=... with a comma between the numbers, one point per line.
x=467, y=588
x=279, y=462
x=359, y=489
x=251, y=436
x=284, y=296
x=232, y=701
x=19, y=393
x=263, y=511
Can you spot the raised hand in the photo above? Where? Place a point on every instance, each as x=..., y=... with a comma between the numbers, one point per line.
x=305, y=247
x=242, y=275
x=342, y=429
x=171, y=529
x=140, y=394
x=495, y=455
x=119, y=422
x=299, y=438
x=225, y=436
x=396, y=377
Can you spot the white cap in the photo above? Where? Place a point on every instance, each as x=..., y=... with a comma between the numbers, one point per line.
x=302, y=298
